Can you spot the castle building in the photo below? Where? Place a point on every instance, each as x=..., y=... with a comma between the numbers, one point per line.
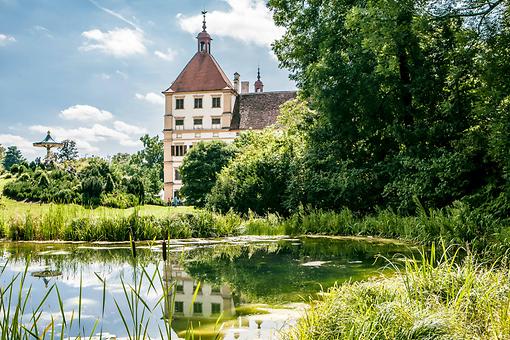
x=203, y=105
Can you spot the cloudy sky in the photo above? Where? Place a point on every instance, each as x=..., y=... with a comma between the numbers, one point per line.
x=93, y=70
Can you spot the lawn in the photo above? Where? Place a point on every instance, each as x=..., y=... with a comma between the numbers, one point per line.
x=13, y=209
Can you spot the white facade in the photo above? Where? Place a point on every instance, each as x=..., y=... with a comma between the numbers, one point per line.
x=187, y=124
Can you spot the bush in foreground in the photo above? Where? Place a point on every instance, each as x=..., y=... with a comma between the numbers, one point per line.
x=428, y=299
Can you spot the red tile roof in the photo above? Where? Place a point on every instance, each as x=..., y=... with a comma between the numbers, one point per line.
x=202, y=73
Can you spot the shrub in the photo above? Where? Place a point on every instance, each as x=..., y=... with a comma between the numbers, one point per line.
x=119, y=200
x=91, y=187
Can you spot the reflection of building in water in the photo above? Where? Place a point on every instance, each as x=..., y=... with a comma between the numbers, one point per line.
x=210, y=302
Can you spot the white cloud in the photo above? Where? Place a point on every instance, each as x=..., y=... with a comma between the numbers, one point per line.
x=169, y=55
x=119, y=42
x=249, y=21
x=129, y=129
x=6, y=39
x=23, y=144
x=85, y=113
x=152, y=98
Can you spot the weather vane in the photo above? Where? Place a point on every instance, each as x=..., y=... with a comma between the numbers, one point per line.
x=204, y=12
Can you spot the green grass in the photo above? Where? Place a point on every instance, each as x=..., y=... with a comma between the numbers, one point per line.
x=430, y=298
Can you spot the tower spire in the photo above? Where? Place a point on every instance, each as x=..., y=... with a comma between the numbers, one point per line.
x=259, y=85
x=204, y=26
x=204, y=39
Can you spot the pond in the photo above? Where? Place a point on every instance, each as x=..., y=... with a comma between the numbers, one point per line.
x=241, y=288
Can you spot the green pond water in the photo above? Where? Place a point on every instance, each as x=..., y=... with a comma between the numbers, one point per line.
x=250, y=287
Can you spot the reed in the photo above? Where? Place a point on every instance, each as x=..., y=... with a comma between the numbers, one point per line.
x=435, y=296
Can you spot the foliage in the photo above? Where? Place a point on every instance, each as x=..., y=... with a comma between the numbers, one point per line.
x=259, y=176
x=56, y=225
x=12, y=156
x=200, y=168
x=2, y=155
x=431, y=298
x=256, y=179
x=68, y=151
x=397, y=105
x=91, y=188
x=147, y=164
x=123, y=182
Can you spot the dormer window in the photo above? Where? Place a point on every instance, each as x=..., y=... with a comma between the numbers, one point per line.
x=198, y=103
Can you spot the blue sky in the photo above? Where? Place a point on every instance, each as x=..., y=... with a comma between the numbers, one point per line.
x=93, y=70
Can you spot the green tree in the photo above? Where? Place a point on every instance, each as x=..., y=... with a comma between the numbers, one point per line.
x=92, y=187
x=2, y=155
x=147, y=164
x=200, y=168
x=12, y=156
x=68, y=152
x=398, y=97
x=256, y=179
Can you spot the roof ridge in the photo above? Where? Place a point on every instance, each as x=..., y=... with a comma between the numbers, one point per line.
x=201, y=73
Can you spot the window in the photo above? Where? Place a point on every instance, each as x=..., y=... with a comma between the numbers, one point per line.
x=215, y=290
x=216, y=102
x=179, y=103
x=215, y=308
x=198, y=103
x=179, y=287
x=197, y=123
x=179, y=124
x=216, y=123
x=179, y=150
x=197, y=308
x=179, y=307
x=177, y=175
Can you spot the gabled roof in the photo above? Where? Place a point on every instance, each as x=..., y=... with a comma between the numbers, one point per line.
x=258, y=110
x=202, y=73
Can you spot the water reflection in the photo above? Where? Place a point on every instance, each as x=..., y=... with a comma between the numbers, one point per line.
x=252, y=287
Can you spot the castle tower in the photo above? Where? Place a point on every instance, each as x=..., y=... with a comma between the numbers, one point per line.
x=198, y=107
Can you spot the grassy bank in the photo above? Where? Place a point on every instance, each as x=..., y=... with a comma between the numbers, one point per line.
x=455, y=225
x=428, y=299
x=62, y=223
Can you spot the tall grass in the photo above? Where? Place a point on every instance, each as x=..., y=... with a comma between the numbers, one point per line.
x=60, y=224
x=432, y=297
x=457, y=224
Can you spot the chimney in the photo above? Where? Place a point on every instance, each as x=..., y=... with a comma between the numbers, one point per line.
x=236, y=82
x=245, y=86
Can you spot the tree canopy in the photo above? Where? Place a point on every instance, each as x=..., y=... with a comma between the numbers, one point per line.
x=200, y=168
